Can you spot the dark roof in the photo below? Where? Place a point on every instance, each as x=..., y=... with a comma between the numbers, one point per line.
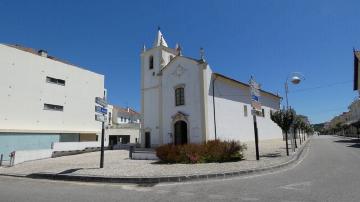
x=242, y=83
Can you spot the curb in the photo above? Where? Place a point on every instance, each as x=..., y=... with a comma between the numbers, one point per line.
x=155, y=180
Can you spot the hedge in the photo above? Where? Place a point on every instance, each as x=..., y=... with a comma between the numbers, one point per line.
x=212, y=151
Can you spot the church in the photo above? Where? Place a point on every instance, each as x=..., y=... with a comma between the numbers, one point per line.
x=184, y=101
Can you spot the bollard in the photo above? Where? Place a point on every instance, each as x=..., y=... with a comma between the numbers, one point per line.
x=131, y=150
x=1, y=159
x=12, y=158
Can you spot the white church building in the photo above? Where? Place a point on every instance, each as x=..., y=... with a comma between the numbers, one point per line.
x=184, y=101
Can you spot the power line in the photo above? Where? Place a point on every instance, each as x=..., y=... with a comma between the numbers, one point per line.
x=322, y=86
x=330, y=110
x=293, y=91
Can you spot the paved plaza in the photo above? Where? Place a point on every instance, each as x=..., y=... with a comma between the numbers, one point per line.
x=118, y=164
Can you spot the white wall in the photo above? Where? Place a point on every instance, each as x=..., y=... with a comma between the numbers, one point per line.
x=30, y=155
x=71, y=146
x=151, y=82
x=132, y=132
x=190, y=79
x=24, y=90
x=231, y=124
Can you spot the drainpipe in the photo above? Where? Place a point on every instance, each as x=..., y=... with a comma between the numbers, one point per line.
x=213, y=96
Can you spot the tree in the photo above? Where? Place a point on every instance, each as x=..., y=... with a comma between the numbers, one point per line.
x=284, y=119
x=296, y=126
x=338, y=127
x=357, y=126
x=303, y=128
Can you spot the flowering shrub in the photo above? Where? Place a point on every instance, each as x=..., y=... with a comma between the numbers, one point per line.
x=212, y=151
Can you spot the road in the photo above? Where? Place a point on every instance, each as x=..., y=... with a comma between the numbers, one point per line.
x=329, y=171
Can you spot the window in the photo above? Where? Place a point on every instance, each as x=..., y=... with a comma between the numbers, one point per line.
x=151, y=62
x=171, y=57
x=55, y=81
x=263, y=112
x=53, y=107
x=179, y=96
x=109, y=118
x=245, y=111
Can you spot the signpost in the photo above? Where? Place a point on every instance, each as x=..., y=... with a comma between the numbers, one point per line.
x=256, y=108
x=101, y=101
x=100, y=110
x=102, y=118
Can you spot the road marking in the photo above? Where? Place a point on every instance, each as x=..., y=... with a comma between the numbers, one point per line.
x=297, y=186
x=248, y=199
x=160, y=191
x=216, y=196
x=185, y=193
x=135, y=188
x=289, y=201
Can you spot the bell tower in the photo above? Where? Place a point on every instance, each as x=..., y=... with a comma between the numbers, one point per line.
x=152, y=62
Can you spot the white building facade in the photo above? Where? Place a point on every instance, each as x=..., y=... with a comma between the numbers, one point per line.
x=184, y=101
x=45, y=100
x=123, y=126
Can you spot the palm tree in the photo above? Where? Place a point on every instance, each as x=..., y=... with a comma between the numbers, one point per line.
x=284, y=119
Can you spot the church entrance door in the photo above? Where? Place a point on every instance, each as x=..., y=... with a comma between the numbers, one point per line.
x=147, y=140
x=180, y=131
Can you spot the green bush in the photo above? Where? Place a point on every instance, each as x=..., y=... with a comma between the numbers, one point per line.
x=212, y=151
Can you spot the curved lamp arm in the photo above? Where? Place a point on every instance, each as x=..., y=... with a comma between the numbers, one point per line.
x=296, y=78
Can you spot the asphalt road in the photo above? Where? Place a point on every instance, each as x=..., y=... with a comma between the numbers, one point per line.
x=328, y=171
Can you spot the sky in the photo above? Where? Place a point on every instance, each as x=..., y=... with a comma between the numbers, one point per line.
x=268, y=39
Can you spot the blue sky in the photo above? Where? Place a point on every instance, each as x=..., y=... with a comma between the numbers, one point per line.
x=268, y=39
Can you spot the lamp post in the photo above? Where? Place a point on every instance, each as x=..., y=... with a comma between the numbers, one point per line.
x=295, y=78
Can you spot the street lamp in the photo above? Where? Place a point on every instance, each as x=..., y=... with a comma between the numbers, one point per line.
x=295, y=78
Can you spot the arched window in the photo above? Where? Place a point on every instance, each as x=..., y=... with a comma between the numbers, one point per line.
x=179, y=96
x=151, y=62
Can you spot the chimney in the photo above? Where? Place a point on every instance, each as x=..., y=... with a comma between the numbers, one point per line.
x=43, y=53
x=128, y=109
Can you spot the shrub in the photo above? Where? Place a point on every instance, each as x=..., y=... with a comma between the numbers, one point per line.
x=212, y=151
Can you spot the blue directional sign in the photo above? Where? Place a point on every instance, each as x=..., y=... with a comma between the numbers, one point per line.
x=100, y=110
x=255, y=98
x=255, y=94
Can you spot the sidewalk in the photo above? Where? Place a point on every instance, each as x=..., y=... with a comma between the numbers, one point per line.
x=119, y=166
